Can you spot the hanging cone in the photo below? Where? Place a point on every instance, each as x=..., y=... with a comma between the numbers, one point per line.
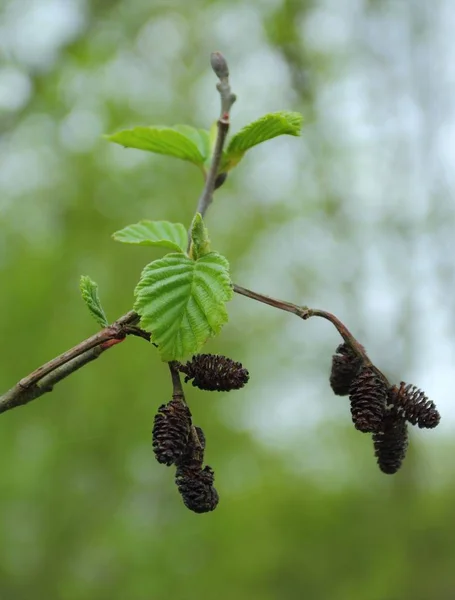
x=345, y=366
x=171, y=430
x=368, y=395
x=415, y=406
x=390, y=443
x=214, y=372
x=196, y=489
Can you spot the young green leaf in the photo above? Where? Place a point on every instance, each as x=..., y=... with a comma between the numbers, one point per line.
x=181, y=141
x=265, y=128
x=200, y=243
x=89, y=291
x=182, y=302
x=200, y=137
x=154, y=233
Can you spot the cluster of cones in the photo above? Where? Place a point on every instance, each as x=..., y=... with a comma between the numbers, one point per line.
x=377, y=407
x=380, y=408
x=176, y=441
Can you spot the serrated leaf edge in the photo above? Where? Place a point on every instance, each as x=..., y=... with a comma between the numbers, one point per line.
x=213, y=322
x=89, y=293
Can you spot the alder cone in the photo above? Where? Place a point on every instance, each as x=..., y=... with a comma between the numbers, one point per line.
x=415, y=407
x=368, y=396
x=215, y=372
x=390, y=443
x=171, y=431
x=345, y=366
x=196, y=489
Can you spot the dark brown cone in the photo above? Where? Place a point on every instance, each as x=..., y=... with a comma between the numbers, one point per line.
x=196, y=489
x=170, y=431
x=345, y=366
x=214, y=372
x=368, y=395
x=390, y=443
x=414, y=406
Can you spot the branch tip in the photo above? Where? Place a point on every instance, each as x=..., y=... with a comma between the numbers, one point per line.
x=227, y=98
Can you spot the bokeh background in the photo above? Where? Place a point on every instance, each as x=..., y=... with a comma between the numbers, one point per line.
x=356, y=217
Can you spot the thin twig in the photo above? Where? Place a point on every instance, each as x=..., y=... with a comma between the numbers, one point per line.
x=176, y=383
x=178, y=394
x=300, y=311
x=219, y=65
x=347, y=336
x=306, y=313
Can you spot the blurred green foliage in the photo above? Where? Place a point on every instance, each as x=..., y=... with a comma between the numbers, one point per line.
x=86, y=512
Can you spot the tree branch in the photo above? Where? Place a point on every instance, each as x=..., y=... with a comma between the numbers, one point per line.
x=114, y=331
x=43, y=379
x=300, y=311
x=306, y=313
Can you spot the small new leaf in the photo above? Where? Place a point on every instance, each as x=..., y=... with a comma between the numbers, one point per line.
x=180, y=141
x=154, y=233
x=89, y=291
x=200, y=243
x=182, y=302
x=265, y=128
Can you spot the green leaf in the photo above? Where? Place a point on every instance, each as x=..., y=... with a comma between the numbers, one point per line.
x=182, y=302
x=154, y=233
x=265, y=128
x=180, y=141
x=200, y=137
x=200, y=243
x=89, y=291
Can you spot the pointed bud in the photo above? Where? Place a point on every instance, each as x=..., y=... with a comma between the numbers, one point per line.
x=345, y=366
x=219, y=65
x=171, y=430
x=215, y=373
x=368, y=395
x=220, y=179
x=415, y=406
x=390, y=443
